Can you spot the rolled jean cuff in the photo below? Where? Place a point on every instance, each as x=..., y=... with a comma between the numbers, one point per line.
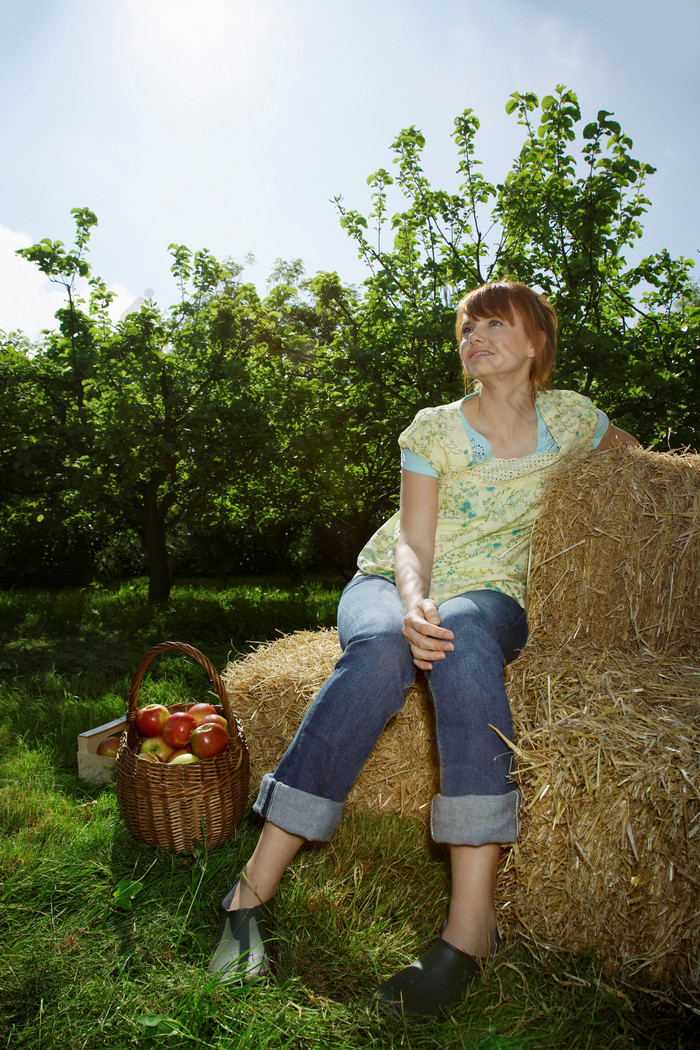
x=296, y=811
x=474, y=820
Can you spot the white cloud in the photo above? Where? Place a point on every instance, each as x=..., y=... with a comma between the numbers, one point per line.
x=567, y=46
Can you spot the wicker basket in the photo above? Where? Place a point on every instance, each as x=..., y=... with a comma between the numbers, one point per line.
x=175, y=806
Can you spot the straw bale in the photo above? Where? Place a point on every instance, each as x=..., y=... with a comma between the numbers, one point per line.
x=616, y=552
x=606, y=708
x=608, y=762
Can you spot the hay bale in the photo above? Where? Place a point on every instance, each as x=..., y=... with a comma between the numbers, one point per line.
x=606, y=711
x=616, y=552
x=609, y=766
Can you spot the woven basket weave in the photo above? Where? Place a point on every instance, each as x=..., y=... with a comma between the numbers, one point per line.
x=175, y=806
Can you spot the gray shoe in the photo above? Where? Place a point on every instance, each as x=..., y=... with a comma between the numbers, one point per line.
x=243, y=949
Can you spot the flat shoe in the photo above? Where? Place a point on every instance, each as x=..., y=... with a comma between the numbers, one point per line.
x=433, y=984
x=243, y=949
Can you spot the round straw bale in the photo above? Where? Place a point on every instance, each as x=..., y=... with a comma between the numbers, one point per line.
x=615, y=552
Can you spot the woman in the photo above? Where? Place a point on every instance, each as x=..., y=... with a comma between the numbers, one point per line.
x=441, y=587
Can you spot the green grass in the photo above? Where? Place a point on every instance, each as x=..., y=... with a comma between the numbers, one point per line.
x=105, y=941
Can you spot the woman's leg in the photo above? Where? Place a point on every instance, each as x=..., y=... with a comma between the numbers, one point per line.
x=306, y=793
x=478, y=805
x=471, y=920
x=477, y=808
x=304, y=797
x=275, y=851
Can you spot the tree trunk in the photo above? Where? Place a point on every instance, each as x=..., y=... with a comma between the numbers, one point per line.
x=154, y=538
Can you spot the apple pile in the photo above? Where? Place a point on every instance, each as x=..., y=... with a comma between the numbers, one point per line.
x=182, y=737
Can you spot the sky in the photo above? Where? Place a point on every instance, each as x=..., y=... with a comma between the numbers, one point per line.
x=231, y=125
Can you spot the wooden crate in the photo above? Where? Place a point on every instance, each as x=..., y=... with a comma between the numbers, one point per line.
x=94, y=768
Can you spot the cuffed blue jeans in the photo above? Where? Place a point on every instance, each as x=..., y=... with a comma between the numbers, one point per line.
x=478, y=801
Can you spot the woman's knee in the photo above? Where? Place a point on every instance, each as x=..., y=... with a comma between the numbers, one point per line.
x=370, y=606
x=488, y=621
x=381, y=649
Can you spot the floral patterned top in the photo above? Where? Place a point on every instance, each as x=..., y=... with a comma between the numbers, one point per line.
x=486, y=509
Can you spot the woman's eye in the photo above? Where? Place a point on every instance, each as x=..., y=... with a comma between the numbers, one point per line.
x=495, y=321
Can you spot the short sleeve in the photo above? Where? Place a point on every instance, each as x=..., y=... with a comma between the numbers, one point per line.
x=602, y=426
x=424, y=439
x=416, y=464
x=571, y=418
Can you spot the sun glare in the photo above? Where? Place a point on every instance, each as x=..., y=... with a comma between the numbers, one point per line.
x=189, y=38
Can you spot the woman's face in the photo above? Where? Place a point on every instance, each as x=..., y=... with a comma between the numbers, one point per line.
x=495, y=346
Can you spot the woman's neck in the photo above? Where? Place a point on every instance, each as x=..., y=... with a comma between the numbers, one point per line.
x=505, y=415
x=505, y=406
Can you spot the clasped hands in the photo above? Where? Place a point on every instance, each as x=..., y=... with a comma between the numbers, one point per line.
x=427, y=639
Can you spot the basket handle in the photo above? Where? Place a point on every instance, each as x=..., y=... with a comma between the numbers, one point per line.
x=194, y=654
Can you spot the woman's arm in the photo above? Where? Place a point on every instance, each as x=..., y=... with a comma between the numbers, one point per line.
x=413, y=568
x=613, y=436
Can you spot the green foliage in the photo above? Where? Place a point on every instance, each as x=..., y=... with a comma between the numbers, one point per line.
x=569, y=212
x=141, y=406
x=238, y=431
x=562, y=220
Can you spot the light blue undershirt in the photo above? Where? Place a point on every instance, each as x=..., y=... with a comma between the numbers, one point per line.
x=481, y=450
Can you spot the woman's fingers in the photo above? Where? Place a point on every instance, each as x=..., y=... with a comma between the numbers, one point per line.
x=425, y=659
x=429, y=610
x=423, y=622
x=428, y=641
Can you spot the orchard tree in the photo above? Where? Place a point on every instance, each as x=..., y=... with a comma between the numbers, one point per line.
x=570, y=212
x=43, y=519
x=45, y=427
x=309, y=488
x=161, y=418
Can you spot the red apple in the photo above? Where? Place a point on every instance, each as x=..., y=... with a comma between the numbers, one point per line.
x=208, y=740
x=185, y=758
x=198, y=711
x=218, y=720
x=151, y=719
x=180, y=751
x=157, y=746
x=109, y=746
x=178, y=727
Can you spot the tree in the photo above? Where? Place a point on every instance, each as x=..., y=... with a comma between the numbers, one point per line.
x=45, y=428
x=160, y=414
x=307, y=485
x=562, y=220
x=278, y=415
x=567, y=224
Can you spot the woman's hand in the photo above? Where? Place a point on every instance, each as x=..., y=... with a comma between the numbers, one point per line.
x=427, y=639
